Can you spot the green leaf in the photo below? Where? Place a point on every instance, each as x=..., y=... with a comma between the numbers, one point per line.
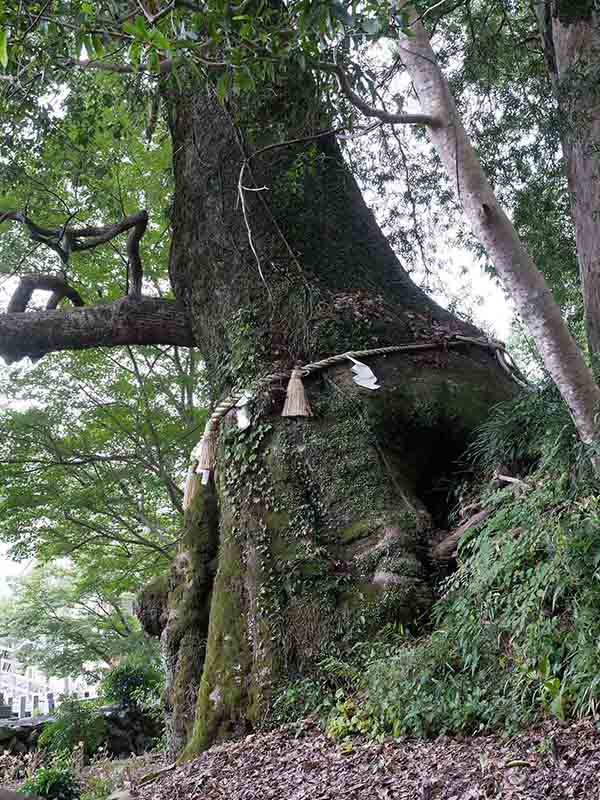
x=153, y=61
x=129, y=27
x=245, y=81
x=137, y=28
x=159, y=40
x=8, y=202
x=223, y=85
x=97, y=45
x=135, y=54
x=557, y=707
x=4, y=48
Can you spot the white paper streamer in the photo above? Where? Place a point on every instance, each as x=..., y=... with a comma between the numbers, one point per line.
x=241, y=412
x=362, y=375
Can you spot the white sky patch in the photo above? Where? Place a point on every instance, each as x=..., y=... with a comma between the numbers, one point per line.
x=470, y=290
x=8, y=570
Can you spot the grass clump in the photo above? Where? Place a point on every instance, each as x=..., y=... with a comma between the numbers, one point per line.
x=56, y=781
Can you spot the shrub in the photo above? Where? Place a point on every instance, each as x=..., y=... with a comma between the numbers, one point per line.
x=131, y=682
x=77, y=724
x=296, y=700
x=55, y=782
x=338, y=676
x=97, y=788
x=534, y=431
x=517, y=626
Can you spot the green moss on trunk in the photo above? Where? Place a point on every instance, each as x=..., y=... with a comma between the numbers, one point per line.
x=324, y=521
x=183, y=639
x=323, y=533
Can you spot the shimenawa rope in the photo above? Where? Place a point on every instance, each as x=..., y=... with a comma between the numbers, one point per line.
x=296, y=403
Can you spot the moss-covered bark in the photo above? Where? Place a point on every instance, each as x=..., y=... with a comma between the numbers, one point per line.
x=323, y=533
x=176, y=608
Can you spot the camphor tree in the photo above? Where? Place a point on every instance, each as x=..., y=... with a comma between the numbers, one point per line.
x=311, y=530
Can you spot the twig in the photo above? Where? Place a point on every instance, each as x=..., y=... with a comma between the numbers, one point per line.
x=152, y=776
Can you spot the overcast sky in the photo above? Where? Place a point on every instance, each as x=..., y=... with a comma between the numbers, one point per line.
x=8, y=569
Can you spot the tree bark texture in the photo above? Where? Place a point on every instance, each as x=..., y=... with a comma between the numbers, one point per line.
x=571, y=38
x=322, y=277
x=322, y=522
x=492, y=227
x=143, y=320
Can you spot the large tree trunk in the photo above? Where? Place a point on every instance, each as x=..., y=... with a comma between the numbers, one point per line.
x=322, y=522
x=571, y=37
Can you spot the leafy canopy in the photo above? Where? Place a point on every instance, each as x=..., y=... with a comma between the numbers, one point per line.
x=95, y=446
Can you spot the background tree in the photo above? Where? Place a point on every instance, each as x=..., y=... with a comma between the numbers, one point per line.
x=72, y=621
x=95, y=449
x=94, y=452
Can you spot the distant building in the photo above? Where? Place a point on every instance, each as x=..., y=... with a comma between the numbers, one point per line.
x=30, y=691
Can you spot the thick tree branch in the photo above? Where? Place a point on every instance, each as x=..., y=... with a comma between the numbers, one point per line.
x=130, y=320
x=52, y=238
x=65, y=240
x=91, y=236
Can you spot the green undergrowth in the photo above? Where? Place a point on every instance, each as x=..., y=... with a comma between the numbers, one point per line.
x=515, y=632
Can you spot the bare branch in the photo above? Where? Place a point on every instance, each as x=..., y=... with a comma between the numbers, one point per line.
x=123, y=69
x=66, y=240
x=370, y=111
x=166, y=65
x=48, y=283
x=102, y=234
x=446, y=549
x=50, y=237
x=190, y=6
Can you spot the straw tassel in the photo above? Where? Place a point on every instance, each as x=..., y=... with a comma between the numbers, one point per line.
x=192, y=484
x=296, y=403
x=206, y=452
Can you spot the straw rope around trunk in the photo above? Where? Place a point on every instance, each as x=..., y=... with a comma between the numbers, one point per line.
x=296, y=404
